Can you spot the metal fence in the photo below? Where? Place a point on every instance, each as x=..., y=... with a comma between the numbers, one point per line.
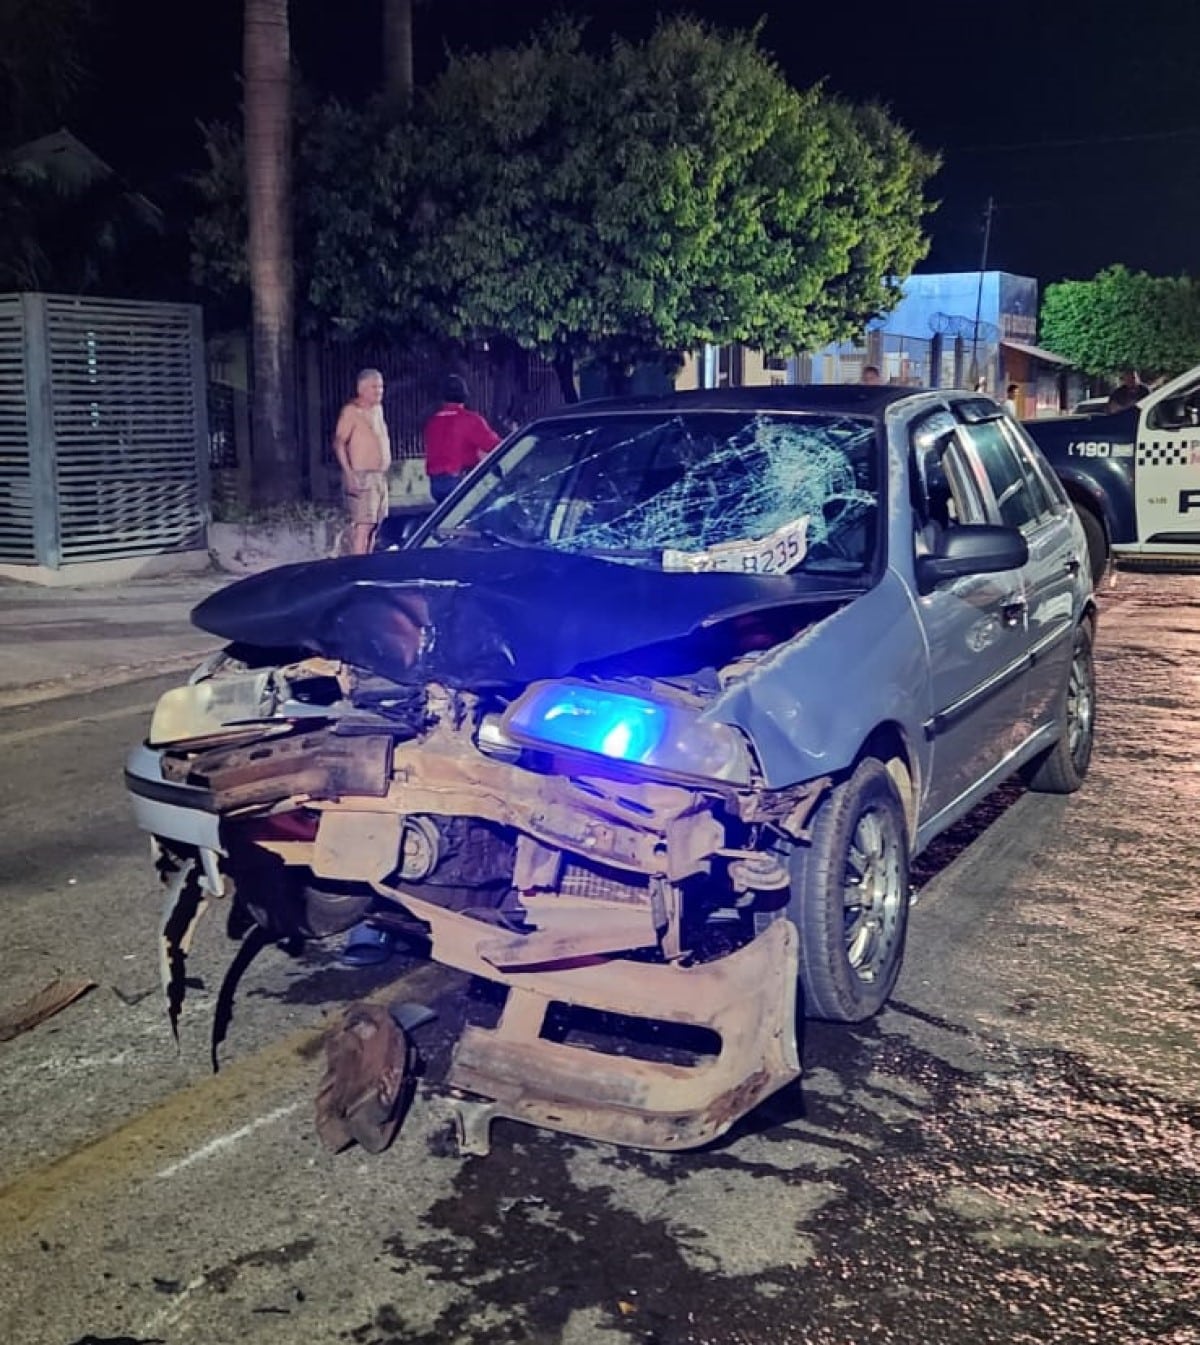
x=103, y=438
x=127, y=416
x=505, y=391
x=905, y=360
x=16, y=485
x=902, y=360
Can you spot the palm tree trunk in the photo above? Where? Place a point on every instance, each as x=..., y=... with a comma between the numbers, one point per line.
x=397, y=52
x=266, y=58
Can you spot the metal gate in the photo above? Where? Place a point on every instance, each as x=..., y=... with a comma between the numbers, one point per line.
x=413, y=381
x=16, y=491
x=115, y=434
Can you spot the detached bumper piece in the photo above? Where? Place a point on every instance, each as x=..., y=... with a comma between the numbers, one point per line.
x=747, y=999
x=368, y=1073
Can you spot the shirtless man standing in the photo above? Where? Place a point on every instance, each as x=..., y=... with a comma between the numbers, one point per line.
x=363, y=451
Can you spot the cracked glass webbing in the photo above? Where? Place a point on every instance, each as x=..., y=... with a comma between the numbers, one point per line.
x=698, y=490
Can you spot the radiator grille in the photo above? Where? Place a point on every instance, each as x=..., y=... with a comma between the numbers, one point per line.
x=597, y=884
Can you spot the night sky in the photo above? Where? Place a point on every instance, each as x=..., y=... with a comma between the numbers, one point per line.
x=1082, y=119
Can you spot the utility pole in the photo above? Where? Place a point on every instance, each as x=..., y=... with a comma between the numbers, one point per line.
x=987, y=238
x=398, y=53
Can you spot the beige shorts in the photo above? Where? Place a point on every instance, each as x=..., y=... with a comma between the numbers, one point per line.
x=367, y=499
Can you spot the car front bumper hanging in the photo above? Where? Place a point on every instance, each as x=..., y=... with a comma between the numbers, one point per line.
x=747, y=999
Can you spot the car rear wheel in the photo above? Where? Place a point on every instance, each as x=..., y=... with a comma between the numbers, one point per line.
x=1062, y=769
x=849, y=898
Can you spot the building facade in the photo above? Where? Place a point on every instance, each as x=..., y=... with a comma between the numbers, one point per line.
x=955, y=329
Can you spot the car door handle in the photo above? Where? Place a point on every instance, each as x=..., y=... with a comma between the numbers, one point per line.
x=1013, y=611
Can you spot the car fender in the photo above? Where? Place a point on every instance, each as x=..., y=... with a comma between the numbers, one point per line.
x=811, y=704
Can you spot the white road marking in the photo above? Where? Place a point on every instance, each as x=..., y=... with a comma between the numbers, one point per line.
x=223, y=1142
x=43, y=730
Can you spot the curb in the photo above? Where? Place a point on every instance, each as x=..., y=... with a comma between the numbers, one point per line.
x=94, y=679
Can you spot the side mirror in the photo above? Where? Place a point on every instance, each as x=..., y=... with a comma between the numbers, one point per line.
x=971, y=548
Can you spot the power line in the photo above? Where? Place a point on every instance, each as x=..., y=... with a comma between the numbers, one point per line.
x=1078, y=142
x=963, y=204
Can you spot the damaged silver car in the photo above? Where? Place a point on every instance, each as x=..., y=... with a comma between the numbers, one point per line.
x=646, y=721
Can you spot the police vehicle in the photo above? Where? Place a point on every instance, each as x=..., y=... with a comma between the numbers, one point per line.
x=1134, y=476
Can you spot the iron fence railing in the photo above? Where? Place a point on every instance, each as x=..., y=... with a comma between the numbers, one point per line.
x=102, y=429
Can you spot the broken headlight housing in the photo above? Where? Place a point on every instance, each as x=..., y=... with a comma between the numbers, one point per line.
x=204, y=707
x=619, y=726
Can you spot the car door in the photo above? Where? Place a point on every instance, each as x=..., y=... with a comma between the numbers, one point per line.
x=1020, y=498
x=1056, y=583
x=974, y=628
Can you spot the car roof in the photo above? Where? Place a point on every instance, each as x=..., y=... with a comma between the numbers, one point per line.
x=859, y=399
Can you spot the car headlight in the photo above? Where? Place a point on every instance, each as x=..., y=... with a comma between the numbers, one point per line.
x=618, y=726
x=207, y=707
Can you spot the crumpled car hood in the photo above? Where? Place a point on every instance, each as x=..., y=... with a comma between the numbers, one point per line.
x=473, y=617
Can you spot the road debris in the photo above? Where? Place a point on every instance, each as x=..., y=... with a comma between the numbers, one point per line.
x=368, y=1079
x=45, y=1004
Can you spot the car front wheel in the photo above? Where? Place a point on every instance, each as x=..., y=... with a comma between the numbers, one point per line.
x=849, y=898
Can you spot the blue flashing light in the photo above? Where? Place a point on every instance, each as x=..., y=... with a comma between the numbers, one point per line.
x=592, y=719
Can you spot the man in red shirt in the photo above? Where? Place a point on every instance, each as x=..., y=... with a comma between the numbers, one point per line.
x=455, y=440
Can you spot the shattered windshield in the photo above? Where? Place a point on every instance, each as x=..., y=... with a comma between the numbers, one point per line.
x=691, y=491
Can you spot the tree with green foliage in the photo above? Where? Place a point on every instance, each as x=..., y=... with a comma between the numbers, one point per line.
x=218, y=263
x=878, y=199
x=629, y=204
x=670, y=193
x=364, y=270
x=1124, y=319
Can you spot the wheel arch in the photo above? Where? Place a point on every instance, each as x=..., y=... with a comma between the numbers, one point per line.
x=1097, y=535
x=1105, y=488
x=889, y=744
x=1088, y=497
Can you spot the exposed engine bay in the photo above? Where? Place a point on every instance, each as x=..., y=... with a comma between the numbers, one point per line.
x=548, y=740
x=643, y=873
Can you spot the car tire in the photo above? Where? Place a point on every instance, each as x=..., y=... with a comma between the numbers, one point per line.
x=1097, y=542
x=1062, y=769
x=850, y=954
x=330, y=908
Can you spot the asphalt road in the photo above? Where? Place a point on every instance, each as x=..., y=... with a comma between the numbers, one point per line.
x=1010, y=1153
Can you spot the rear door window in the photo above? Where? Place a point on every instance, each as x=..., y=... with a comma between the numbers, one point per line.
x=1021, y=498
x=1036, y=465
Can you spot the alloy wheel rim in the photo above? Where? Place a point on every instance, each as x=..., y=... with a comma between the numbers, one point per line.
x=872, y=894
x=1079, y=706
